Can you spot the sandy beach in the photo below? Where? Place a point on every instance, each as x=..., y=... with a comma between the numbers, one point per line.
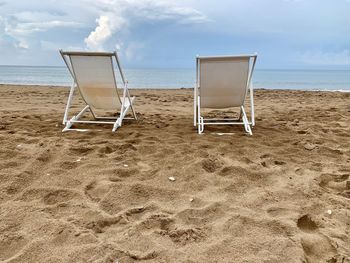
x=281, y=195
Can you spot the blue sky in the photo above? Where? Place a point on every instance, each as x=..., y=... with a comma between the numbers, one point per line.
x=160, y=33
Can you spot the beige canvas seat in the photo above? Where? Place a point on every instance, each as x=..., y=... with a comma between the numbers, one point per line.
x=221, y=83
x=94, y=77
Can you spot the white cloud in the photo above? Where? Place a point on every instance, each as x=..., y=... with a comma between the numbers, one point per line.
x=124, y=14
x=27, y=28
x=29, y=22
x=19, y=28
x=160, y=10
x=22, y=45
x=106, y=26
x=105, y=19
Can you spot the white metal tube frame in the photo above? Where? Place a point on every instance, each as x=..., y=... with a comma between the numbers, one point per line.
x=248, y=124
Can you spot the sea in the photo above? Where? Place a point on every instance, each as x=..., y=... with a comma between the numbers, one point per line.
x=335, y=80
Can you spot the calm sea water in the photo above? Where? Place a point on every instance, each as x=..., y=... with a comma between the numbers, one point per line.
x=184, y=78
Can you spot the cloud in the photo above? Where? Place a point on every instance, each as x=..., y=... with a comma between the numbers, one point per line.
x=26, y=28
x=145, y=30
x=22, y=45
x=160, y=10
x=29, y=22
x=20, y=28
x=124, y=14
x=105, y=23
x=106, y=26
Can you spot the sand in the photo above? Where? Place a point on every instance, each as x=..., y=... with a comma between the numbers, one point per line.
x=281, y=195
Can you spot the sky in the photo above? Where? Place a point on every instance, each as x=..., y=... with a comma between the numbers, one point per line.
x=286, y=34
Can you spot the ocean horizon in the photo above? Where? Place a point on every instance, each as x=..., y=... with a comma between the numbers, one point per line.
x=295, y=79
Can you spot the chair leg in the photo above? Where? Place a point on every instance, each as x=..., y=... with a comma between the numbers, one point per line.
x=246, y=122
x=116, y=125
x=133, y=112
x=68, y=125
x=131, y=100
x=252, y=113
x=70, y=98
x=75, y=118
x=195, y=106
x=123, y=112
x=240, y=114
x=200, y=119
x=201, y=125
x=195, y=116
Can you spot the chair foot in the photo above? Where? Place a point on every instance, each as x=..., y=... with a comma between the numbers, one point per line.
x=201, y=125
x=69, y=124
x=116, y=125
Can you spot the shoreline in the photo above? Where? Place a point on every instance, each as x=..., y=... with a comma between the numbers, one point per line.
x=178, y=88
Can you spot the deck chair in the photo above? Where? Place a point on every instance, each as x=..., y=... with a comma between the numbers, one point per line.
x=93, y=75
x=221, y=83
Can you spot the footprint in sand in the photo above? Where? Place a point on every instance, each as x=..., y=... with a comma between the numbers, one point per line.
x=67, y=165
x=98, y=226
x=96, y=190
x=211, y=164
x=82, y=150
x=155, y=222
x=20, y=182
x=165, y=225
x=125, y=147
x=281, y=212
x=58, y=196
x=235, y=171
x=306, y=224
x=122, y=173
x=336, y=183
x=45, y=156
x=202, y=215
x=10, y=245
x=48, y=196
x=107, y=149
x=185, y=236
x=317, y=247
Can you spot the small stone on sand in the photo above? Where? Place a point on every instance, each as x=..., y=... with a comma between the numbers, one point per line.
x=172, y=179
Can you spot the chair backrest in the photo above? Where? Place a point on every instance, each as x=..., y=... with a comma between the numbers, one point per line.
x=224, y=81
x=94, y=76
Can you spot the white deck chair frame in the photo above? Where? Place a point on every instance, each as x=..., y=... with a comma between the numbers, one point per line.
x=125, y=105
x=243, y=119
